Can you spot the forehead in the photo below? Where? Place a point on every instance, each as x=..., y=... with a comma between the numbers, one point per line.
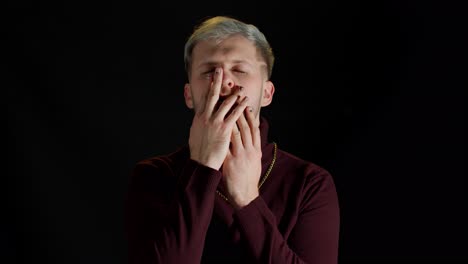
x=232, y=48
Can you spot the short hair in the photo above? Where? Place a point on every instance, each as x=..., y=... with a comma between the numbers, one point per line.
x=221, y=27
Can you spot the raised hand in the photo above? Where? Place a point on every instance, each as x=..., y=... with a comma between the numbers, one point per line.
x=242, y=167
x=210, y=133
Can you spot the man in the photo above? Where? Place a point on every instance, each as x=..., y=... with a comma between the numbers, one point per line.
x=231, y=196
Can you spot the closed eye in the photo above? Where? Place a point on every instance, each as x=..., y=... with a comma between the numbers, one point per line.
x=208, y=74
x=208, y=71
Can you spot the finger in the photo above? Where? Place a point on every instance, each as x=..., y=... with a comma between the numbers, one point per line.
x=213, y=95
x=236, y=112
x=227, y=105
x=244, y=129
x=236, y=139
x=254, y=127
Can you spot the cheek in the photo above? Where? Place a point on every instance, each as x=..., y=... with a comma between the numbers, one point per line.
x=199, y=90
x=254, y=97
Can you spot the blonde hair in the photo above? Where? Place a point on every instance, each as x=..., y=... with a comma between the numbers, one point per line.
x=221, y=27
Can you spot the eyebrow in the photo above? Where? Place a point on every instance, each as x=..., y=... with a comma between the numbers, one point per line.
x=214, y=63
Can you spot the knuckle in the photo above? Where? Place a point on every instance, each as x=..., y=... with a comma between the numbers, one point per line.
x=205, y=120
x=218, y=122
x=225, y=102
x=213, y=93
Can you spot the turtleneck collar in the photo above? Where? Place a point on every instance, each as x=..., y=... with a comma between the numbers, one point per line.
x=264, y=126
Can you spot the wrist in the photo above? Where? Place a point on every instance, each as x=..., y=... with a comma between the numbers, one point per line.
x=241, y=201
x=206, y=162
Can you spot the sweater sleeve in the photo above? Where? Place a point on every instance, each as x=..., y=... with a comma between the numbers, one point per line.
x=314, y=238
x=167, y=217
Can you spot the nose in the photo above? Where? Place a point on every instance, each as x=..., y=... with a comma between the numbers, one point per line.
x=227, y=85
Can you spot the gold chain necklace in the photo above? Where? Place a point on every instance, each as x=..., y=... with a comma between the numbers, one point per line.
x=264, y=177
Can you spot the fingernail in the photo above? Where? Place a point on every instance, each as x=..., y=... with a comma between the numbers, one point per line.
x=250, y=109
x=217, y=71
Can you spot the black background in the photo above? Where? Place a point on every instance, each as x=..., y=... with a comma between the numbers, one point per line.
x=371, y=90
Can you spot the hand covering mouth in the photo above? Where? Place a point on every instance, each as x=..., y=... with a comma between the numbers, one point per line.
x=220, y=101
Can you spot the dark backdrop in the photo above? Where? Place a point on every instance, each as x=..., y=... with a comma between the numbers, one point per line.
x=370, y=90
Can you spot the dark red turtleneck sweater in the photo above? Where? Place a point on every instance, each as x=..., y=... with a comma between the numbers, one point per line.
x=174, y=214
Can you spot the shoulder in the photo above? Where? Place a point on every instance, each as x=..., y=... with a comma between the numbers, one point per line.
x=315, y=184
x=297, y=164
x=164, y=162
x=159, y=168
x=309, y=174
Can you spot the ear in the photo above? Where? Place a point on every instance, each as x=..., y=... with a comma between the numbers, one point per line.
x=188, y=95
x=268, y=91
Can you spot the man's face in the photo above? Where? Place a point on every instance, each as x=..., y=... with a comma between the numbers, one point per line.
x=241, y=66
